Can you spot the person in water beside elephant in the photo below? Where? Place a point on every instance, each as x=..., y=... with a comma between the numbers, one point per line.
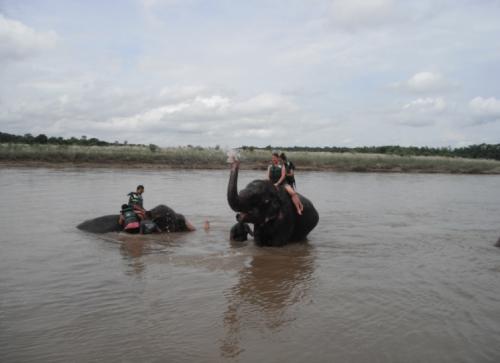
x=240, y=230
x=128, y=219
x=289, y=170
x=276, y=173
x=136, y=202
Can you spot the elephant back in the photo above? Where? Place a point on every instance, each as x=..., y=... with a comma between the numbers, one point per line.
x=104, y=224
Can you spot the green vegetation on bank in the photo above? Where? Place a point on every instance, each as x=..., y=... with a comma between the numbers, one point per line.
x=481, y=151
x=214, y=158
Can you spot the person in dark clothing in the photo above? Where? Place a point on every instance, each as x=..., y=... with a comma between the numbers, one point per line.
x=289, y=170
x=128, y=219
x=136, y=202
x=240, y=231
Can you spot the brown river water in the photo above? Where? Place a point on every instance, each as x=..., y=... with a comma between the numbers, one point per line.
x=401, y=268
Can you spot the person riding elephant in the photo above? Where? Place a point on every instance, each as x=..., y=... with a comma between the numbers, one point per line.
x=128, y=219
x=136, y=202
x=289, y=170
x=276, y=173
x=271, y=210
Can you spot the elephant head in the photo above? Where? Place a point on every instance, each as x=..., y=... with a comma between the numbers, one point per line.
x=270, y=210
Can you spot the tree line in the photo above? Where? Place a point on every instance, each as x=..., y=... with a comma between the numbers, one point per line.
x=44, y=139
x=478, y=151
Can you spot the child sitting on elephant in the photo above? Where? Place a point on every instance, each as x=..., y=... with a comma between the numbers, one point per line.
x=276, y=173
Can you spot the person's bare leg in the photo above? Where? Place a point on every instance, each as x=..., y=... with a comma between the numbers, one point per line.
x=295, y=199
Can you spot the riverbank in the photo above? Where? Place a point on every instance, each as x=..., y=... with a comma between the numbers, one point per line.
x=134, y=157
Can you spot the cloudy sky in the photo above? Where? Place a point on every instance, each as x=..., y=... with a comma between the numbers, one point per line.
x=272, y=72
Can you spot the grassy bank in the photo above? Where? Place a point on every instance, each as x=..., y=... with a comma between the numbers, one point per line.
x=214, y=158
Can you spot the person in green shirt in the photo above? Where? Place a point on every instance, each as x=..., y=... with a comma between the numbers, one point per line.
x=276, y=173
x=136, y=202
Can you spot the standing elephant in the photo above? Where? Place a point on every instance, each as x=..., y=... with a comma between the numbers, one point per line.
x=163, y=216
x=271, y=211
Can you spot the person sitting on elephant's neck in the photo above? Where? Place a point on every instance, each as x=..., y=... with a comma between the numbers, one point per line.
x=240, y=230
x=289, y=170
x=128, y=219
x=136, y=202
x=276, y=174
x=148, y=226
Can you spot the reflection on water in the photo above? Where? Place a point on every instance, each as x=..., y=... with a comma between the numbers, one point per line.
x=400, y=268
x=133, y=250
x=270, y=281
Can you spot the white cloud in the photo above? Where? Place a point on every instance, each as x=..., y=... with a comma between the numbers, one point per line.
x=18, y=41
x=424, y=82
x=264, y=103
x=421, y=112
x=426, y=105
x=214, y=102
x=485, y=110
x=217, y=116
x=362, y=13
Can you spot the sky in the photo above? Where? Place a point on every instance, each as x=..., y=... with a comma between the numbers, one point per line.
x=232, y=73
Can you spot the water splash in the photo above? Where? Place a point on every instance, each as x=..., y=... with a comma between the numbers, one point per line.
x=232, y=156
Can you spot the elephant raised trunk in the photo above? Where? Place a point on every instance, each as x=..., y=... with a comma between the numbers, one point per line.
x=232, y=188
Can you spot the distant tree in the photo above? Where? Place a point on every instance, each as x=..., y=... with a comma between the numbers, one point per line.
x=93, y=141
x=41, y=139
x=28, y=138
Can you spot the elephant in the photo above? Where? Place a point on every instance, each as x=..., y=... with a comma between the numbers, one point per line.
x=270, y=210
x=166, y=218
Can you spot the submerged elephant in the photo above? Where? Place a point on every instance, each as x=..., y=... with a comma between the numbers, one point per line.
x=164, y=217
x=271, y=211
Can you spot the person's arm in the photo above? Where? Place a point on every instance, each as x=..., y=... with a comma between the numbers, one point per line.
x=269, y=173
x=249, y=230
x=120, y=220
x=283, y=175
x=189, y=226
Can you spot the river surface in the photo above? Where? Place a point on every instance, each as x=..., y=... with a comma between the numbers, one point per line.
x=401, y=268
